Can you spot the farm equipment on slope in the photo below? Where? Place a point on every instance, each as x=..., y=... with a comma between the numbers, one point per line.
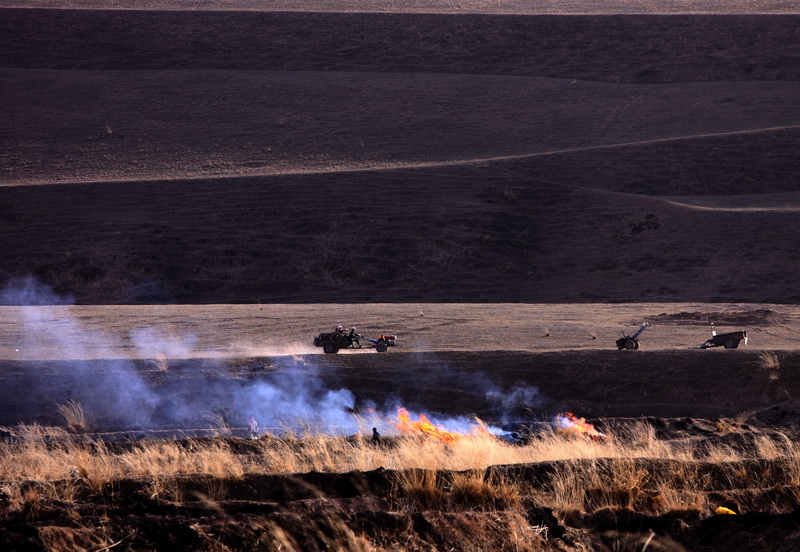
x=629, y=342
x=728, y=340
x=331, y=342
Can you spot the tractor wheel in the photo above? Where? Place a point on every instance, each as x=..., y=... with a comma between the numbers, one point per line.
x=330, y=348
x=381, y=347
x=730, y=344
x=636, y=345
x=630, y=344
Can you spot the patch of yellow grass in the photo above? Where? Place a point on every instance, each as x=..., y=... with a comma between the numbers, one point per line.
x=585, y=475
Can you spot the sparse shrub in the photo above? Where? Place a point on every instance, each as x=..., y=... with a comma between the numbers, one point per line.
x=31, y=502
x=771, y=364
x=722, y=425
x=422, y=488
x=492, y=492
x=30, y=433
x=219, y=424
x=164, y=488
x=743, y=417
x=161, y=363
x=74, y=415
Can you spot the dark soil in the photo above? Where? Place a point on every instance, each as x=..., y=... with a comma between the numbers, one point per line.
x=234, y=157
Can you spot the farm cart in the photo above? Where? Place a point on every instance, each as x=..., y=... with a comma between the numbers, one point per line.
x=331, y=342
x=631, y=341
x=383, y=342
x=728, y=340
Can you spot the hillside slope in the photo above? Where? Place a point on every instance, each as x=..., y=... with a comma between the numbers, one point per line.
x=215, y=157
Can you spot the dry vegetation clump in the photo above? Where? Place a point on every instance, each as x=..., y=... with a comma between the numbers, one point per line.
x=74, y=415
x=161, y=363
x=485, y=491
x=422, y=487
x=170, y=458
x=218, y=423
x=771, y=365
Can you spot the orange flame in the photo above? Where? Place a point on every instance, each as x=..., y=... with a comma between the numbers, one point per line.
x=569, y=423
x=424, y=426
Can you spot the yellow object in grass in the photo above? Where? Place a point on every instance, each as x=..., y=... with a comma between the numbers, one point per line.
x=724, y=510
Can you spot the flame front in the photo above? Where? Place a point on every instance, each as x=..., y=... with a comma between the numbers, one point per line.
x=568, y=422
x=424, y=426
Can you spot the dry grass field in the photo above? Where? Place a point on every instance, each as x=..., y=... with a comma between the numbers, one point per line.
x=191, y=190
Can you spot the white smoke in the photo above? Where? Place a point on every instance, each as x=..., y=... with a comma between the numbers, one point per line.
x=29, y=292
x=294, y=398
x=291, y=396
x=154, y=343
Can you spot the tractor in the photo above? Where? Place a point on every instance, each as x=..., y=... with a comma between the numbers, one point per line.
x=331, y=342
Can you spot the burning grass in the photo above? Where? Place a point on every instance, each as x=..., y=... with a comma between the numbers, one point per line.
x=575, y=473
x=311, y=491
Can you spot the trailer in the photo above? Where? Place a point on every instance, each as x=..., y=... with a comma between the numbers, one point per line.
x=729, y=340
x=630, y=342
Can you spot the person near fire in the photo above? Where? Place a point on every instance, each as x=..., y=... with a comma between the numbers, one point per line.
x=252, y=425
x=376, y=437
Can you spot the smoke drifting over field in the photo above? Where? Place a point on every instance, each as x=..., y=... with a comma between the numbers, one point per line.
x=170, y=384
x=29, y=291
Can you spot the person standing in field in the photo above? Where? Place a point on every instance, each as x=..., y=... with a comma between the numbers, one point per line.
x=253, y=426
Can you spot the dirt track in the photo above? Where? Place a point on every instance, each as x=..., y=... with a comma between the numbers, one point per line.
x=231, y=331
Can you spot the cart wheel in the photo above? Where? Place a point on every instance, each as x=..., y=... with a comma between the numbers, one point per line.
x=730, y=344
x=630, y=344
x=330, y=348
x=381, y=347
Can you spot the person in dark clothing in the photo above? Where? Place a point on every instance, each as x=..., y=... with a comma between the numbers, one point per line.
x=376, y=437
x=352, y=336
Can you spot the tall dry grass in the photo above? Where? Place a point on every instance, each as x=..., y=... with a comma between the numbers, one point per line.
x=771, y=364
x=632, y=470
x=74, y=416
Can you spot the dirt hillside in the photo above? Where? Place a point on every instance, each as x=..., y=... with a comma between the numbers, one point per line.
x=317, y=157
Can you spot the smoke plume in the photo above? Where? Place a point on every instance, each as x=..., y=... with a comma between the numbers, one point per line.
x=180, y=391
